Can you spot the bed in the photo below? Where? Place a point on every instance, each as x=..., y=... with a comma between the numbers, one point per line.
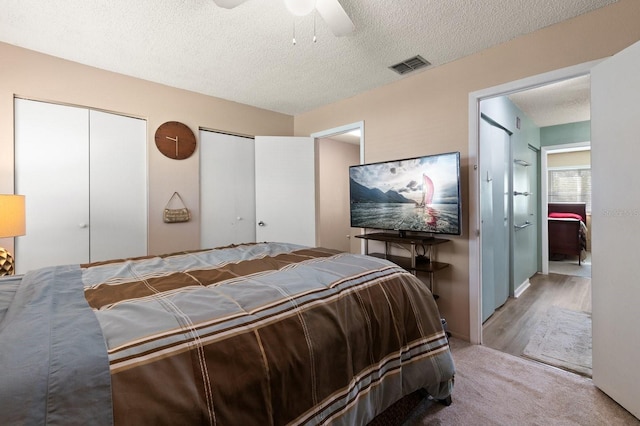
x=567, y=230
x=266, y=333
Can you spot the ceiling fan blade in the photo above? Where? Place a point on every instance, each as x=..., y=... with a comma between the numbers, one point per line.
x=228, y=4
x=335, y=16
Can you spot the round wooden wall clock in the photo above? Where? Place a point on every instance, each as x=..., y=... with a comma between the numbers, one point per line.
x=175, y=140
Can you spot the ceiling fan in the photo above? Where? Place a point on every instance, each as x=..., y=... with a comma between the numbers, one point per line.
x=330, y=10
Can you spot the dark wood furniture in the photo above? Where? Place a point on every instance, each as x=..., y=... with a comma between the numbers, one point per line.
x=565, y=235
x=415, y=263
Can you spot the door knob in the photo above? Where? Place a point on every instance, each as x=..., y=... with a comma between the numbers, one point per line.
x=82, y=225
x=261, y=223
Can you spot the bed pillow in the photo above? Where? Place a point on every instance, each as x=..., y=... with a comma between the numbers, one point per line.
x=558, y=215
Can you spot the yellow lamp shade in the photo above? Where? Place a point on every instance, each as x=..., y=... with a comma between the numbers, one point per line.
x=12, y=216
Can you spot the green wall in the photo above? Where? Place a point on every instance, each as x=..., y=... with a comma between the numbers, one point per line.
x=566, y=133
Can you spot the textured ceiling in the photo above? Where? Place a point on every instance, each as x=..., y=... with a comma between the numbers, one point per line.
x=563, y=102
x=246, y=55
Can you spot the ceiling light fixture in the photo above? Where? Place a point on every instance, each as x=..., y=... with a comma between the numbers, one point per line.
x=294, y=33
x=330, y=11
x=300, y=7
x=315, y=39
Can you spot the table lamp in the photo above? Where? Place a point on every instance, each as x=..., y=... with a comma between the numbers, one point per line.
x=12, y=224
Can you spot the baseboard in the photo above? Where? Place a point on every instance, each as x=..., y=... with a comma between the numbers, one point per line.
x=457, y=335
x=521, y=289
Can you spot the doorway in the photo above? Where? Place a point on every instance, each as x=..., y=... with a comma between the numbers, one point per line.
x=574, y=161
x=337, y=149
x=550, y=322
x=520, y=326
x=475, y=252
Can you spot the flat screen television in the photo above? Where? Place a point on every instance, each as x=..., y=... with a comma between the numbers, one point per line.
x=419, y=194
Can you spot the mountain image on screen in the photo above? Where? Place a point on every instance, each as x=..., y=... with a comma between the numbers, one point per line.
x=362, y=194
x=419, y=194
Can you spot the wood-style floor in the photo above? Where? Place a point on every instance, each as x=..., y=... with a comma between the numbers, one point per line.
x=510, y=327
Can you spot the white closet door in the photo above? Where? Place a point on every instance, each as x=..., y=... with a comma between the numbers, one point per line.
x=52, y=171
x=227, y=189
x=285, y=189
x=118, y=176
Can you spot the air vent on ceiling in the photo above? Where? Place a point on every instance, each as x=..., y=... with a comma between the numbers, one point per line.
x=410, y=64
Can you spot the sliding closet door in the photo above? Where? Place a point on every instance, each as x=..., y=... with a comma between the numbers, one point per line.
x=118, y=176
x=52, y=171
x=227, y=189
x=494, y=211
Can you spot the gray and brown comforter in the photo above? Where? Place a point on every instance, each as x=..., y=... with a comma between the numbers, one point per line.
x=263, y=334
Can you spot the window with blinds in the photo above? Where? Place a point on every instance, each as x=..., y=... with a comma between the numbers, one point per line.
x=570, y=186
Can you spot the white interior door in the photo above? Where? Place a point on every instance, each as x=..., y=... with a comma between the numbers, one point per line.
x=52, y=172
x=615, y=85
x=227, y=189
x=285, y=189
x=118, y=186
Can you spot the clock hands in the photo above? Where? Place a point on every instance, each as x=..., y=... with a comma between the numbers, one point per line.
x=176, y=141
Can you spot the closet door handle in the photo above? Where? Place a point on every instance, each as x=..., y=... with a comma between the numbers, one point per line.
x=526, y=224
x=82, y=225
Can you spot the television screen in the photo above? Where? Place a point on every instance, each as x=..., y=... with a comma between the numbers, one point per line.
x=417, y=194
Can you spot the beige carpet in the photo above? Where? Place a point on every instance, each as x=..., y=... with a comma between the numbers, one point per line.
x=562, y=339
x=494, y=388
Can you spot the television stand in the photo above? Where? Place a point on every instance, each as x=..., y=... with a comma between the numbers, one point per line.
x=413, y=264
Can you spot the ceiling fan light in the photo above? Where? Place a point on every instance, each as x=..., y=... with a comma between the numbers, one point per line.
x=300, y=7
